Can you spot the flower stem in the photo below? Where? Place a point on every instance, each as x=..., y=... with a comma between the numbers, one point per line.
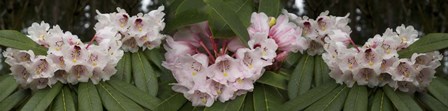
x=91, y=41
x=208, y=52
x=354, y=45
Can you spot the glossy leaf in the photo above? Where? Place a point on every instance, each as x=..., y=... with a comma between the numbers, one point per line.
x=230, y=18
x=14, y=99
x=308, y=98
x=270, y=7
x=124, y=68
x=438, y=89
x=292, y=59
x=135, y=94
x=88, y=97
x=248, y=104
x=231, y=105
x=428, y=43
x=381, y=102
x=17, y=40
x=42, y=98
x=186, y=18
x=188, y=106
x=64, y=101
x=186, y=5
x=172, y=103
x=113, y=100
x=401, y=100
x=431, y=102
x=155, y=56
x=331, y=102
x=144, y=77
x=7, y=85
x=357, y=99
x=267, y=98
x=273, y=79
x=301, y=77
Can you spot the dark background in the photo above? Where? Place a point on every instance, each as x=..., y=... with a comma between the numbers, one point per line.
x=368, y=17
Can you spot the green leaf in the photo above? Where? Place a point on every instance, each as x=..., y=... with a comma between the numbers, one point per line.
x=401, y=100
x=219, y=28
x=172, y=103
x=333, y=101
x=144, y=77
x=14, y=99
x=248, y=104
x=64, y=101
x=357, y=99
x=318, y=72
x=438, y=89
x=232, y=105
x=267, y=98
x=8, y=85
x=292, y=59
x=124, y=68
x=113, y=100
x=155, y=56
x=88, y=97
x=230, y=18
x=272, y=8
x=186, y=18
x=430, y=42
x=431, y=102
x=189, y=5
x=301, y=77
x=188, y=106
x=381, y=102
x=135, y=94
x=17, y=40
x=42, y=98
x=308, y=98
x=274, y=79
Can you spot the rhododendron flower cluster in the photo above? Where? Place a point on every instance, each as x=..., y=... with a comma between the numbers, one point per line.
x=142, y=30
x=315, y=33
x=377, y=62
x=68, y=60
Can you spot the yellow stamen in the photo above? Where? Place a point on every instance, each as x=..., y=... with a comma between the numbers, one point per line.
x=263, y=53
x=239, y=81
x=204, y=100
x=251, y=66
x=74, y=60
x=225, y=74
x=388, y=51
x=94, y=63
x=370, y=63
x=122, y=25
x=58, y=48
x=272, y=21
x=194, y=73
x=350, y=66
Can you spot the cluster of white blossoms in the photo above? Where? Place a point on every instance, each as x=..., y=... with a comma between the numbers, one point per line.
x=68, y=60
x=314, y=33
x=142, y=30
x=377, y=63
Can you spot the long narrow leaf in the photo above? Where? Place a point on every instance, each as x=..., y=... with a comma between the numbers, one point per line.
x=308, y=98
x=267, y=98
x=274, y=79
x=172, y=103
x=17, y=40
x=230, y=18
x=135, y=94
x=124, y=68
x=357, y=99
x=439, y=90
x=7, y=86
x=113, y=100
x=431, y=42
x=301, y=77
x=14, y=99
x=401, y=100
x=42, y=98
x=381, y=102
x=431, y=102
x=64, y=101
x=332, y=102
x=144, y=77
x=270, y=7
x=232, y=105
x=88, y=98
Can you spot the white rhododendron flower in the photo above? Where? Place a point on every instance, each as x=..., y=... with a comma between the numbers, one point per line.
x=141, y=30
x=208, y=69
x=314, y=34
x=377, y=62
x=68, y=60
